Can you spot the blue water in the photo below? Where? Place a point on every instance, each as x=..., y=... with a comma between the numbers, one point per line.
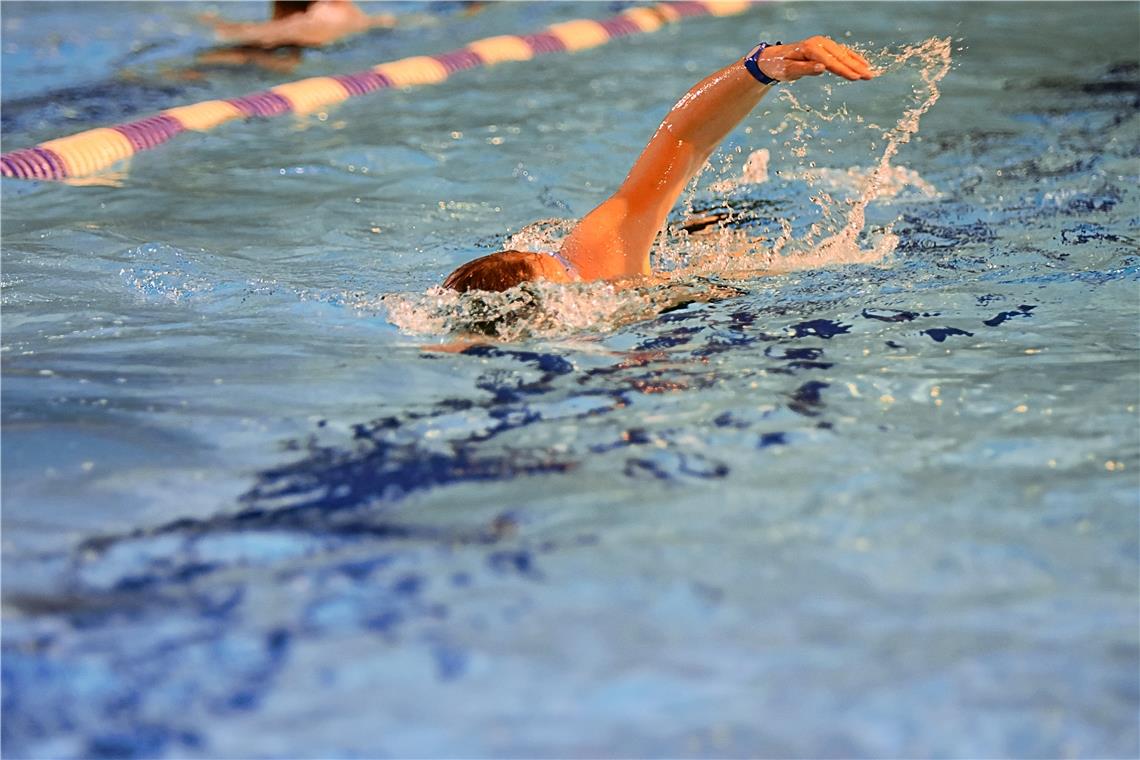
x=878, y=509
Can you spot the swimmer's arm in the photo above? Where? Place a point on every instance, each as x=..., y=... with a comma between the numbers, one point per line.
x=614, y=239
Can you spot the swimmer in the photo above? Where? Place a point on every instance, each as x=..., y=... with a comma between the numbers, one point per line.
x=612, y=242
x=277, y=44
x=301, y=23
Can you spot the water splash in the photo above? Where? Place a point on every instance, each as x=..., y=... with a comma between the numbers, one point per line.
x=544, y=309
x=896, y=181
x=163, y=272
x=835, y=237
x=722, y=251
x=843, y=246
x=543, y=235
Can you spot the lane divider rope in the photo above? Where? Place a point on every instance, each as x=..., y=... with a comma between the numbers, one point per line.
x=89, y=152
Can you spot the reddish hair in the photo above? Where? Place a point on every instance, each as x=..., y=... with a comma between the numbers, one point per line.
x=499, y=271
x=285, y=8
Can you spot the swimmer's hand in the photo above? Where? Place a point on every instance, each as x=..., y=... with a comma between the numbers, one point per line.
x=812, y=57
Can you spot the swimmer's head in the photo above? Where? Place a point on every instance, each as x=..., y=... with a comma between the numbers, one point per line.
x=504, y=270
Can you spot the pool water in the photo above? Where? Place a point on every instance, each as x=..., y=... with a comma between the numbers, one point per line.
x=881, y=505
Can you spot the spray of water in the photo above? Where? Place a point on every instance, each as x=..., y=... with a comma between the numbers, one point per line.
x=835, y=237
x=723, y=252
x=843, y=247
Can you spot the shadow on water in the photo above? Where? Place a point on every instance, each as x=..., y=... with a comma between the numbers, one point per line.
x=344, y=491
x=321, y=522
x=324, y=526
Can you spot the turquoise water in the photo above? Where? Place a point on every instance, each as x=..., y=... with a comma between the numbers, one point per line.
x=874, y=509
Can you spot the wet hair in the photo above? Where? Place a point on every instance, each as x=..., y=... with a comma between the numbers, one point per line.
x=285, y=8
x=497, y=272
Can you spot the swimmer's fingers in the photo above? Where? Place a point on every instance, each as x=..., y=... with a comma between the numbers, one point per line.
x=813, y=57
x=836, y=66
x=859, y=58
x=853, y=60
x=847, y=55
x=837, y=58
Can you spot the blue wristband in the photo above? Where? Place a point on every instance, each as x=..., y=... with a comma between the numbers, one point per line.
x=754, y=68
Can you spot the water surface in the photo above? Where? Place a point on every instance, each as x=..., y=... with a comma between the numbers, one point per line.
x=886, y=508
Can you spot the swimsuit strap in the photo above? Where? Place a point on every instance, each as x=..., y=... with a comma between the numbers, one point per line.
x=570, y=268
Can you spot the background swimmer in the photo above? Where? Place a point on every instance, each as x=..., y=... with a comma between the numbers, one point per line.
x=295, y=24
x=302, y=23
x=612, y=242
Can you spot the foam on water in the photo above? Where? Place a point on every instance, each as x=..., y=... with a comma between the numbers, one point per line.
x=697, y=265
x=545, y=309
